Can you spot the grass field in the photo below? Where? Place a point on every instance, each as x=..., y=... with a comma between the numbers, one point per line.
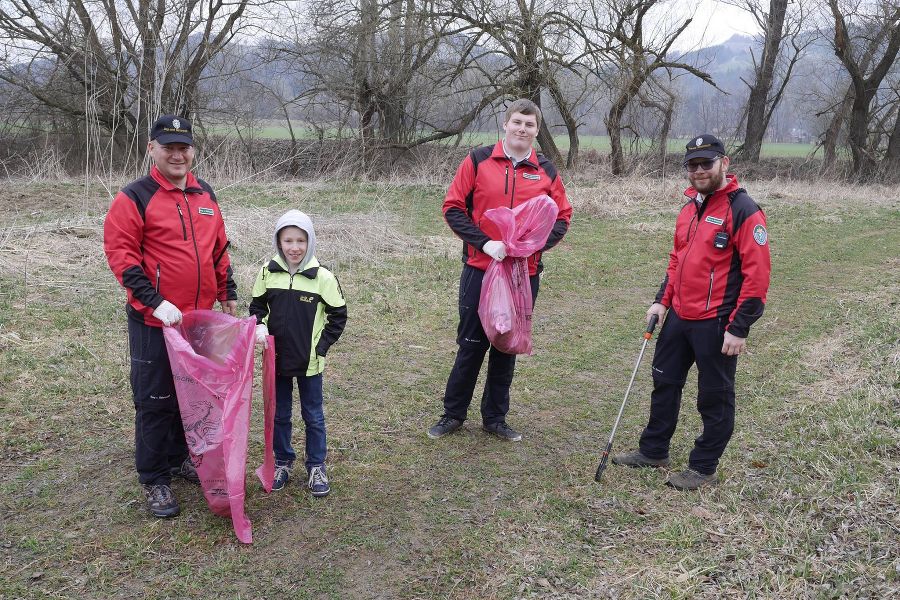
x=600, y=143
x=808, y=501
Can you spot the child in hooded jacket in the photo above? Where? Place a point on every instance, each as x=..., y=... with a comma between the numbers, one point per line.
x=301, y=304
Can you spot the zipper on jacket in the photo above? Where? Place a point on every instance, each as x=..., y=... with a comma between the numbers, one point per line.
x=506, y=181
x=513, y=194
x=196, y=250
x=158, y=270
x=690, y=243
x=712, y=274
x=691, y=225
x=181, y=216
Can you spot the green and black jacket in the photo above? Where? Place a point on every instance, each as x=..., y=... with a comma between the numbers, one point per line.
x=305, y=312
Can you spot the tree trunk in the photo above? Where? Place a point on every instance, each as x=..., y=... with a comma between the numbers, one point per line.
x=664, y=129
x=833, y=132
x=891, y=163
x=613, y=122
x=865, y=88
x=569, y=120
x=857, y=135
x=759, y=92
x=544, y=137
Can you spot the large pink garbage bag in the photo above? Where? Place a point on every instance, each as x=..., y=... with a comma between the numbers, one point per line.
x=211, y=354
x=505, y=305
x=266, y=471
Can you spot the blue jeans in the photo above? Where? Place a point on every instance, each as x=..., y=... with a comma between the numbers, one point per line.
x=313, y=417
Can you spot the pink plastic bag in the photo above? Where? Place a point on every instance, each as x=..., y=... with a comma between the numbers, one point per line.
x=505, y=305
x=211, y=354
x=266, y=471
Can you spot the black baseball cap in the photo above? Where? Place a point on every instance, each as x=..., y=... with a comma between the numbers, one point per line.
x=704, y=146
x=172, y=129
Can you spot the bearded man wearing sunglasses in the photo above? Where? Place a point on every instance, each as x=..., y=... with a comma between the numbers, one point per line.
x=714, y=290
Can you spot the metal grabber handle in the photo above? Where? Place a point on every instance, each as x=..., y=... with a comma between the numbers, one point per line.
x=647, y=335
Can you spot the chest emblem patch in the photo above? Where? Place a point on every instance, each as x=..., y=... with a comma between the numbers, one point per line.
x=714, y=220
x=206, y=211
x=530, y=176
x=760, y=235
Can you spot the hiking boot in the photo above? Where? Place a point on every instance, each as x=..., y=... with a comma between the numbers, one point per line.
x=282, y=474
x=444, y=426
x=186, y=471
x=502, y=431
x=318, y=481
x=636, y=460
x=161, y=501
x=690, y=479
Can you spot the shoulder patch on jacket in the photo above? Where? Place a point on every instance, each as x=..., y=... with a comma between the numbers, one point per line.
x=477, y=155
x=549, y=167
x=480, y=154
x=742, y=208
x=208, y=189
x=140, y=191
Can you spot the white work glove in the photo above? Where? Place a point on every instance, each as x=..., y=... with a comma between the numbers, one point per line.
x=495, y=249
x=262, y=333
x=168, y=313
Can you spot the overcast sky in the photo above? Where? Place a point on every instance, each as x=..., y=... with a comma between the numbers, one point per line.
x=714, y=22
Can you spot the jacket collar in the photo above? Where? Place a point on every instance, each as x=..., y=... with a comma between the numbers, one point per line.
x=277, y=265
x=190, y=185
x=500, y=153
x=730, y=185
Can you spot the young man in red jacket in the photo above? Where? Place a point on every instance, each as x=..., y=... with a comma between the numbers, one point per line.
x=507, y=174
x=714, y=290
x=164, y=239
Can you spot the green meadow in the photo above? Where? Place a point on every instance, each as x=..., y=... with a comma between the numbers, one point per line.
x=807, y=506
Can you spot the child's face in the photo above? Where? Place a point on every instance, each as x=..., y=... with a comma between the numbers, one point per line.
x=292, y=241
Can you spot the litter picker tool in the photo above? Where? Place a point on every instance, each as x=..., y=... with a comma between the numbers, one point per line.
x=647, y=335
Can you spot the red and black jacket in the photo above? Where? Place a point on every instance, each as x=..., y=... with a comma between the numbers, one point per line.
x=487, y=179
x=163, y=243
x=704, y=281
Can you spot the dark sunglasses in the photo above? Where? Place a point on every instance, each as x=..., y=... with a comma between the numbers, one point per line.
x=706, y=165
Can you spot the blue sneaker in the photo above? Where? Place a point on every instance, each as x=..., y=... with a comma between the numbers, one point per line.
x=318, y=481
x=282, y=474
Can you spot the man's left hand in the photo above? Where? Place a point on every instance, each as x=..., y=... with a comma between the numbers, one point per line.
x=229, y=307
x=733, y=345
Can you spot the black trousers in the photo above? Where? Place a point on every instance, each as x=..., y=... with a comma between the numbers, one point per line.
x=473, y=345
x=159, y=443
x=682, y=343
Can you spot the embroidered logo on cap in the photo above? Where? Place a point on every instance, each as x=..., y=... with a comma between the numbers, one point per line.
x=760, y=235
x=699, y=142
x=176, y=123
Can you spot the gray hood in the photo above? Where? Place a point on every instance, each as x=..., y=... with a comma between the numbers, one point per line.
x=297, y=219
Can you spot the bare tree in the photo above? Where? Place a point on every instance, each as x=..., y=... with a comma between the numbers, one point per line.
x=632, y=54
x=659, y=97
x=886, y=22
x=779, y=27
x=115, y=64
x=524, y=48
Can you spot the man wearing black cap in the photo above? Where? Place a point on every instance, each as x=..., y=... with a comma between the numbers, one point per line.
x=164, y=239
x=714, y=290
